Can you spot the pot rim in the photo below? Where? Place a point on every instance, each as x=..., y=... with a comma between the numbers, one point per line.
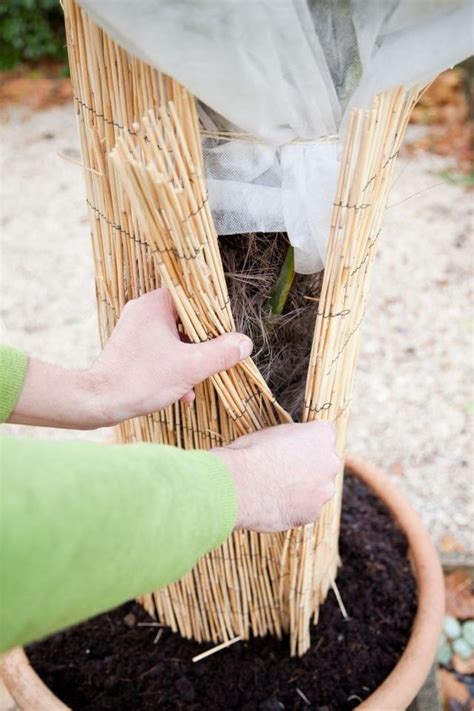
x=409, y=674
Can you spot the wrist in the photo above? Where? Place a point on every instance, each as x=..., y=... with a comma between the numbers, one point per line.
x=53, y=396
x=90, y=393
x=107, y=397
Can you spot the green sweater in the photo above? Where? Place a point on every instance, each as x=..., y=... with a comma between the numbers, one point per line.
x=85, y=526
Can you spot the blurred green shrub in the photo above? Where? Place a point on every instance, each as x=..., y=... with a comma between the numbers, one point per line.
x=30, y=30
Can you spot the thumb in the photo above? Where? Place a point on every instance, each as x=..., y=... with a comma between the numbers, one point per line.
x=221, y=353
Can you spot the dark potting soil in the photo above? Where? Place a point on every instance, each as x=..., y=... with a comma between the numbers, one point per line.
x=110, y=662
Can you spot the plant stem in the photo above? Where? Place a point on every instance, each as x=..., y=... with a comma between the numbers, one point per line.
x=279, y=295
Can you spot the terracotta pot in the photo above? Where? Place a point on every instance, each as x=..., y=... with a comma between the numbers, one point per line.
x=408, y=676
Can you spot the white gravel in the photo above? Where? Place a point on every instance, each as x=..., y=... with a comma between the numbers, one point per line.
x=47, y=289
x=414, y=390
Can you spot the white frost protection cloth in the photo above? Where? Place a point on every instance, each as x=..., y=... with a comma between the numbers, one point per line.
x=286, y=73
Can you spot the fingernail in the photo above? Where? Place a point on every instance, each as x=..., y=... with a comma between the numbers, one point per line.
x=245, y=347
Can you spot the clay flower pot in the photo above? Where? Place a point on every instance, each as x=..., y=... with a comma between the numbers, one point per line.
x=403, y=683
x=408, y=676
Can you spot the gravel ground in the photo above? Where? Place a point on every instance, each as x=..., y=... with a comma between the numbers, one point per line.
x=414, y=393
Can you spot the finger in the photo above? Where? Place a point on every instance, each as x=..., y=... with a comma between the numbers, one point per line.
x=158, y=305
x=189, y=397
x=324, y=428
x=329, y=430
x=167, y=308
x=221, y=353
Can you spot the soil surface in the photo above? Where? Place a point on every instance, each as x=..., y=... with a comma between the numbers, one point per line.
x=112, y=662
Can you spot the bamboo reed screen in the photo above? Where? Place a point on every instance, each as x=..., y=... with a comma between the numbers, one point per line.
x=151, y=225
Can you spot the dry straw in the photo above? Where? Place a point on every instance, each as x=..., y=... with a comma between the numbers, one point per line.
x=151, y=225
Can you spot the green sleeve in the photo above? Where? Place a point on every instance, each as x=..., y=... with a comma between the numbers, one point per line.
x=12, y=374
x=85, y=527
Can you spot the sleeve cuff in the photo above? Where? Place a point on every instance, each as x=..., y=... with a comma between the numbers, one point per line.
x=222, y=490
x=12, y=376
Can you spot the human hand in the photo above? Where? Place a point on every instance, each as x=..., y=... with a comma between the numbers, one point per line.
x=283, y=475
x=144, y=367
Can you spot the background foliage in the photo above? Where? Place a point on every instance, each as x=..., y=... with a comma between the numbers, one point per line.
x=30, y=30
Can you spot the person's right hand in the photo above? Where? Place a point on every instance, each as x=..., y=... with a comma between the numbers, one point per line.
x=283, y=475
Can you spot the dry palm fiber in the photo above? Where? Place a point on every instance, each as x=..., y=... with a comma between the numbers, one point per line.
x=151, y=225
x=282, y=343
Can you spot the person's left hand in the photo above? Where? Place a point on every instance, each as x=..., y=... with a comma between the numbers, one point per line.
x=144, y=367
